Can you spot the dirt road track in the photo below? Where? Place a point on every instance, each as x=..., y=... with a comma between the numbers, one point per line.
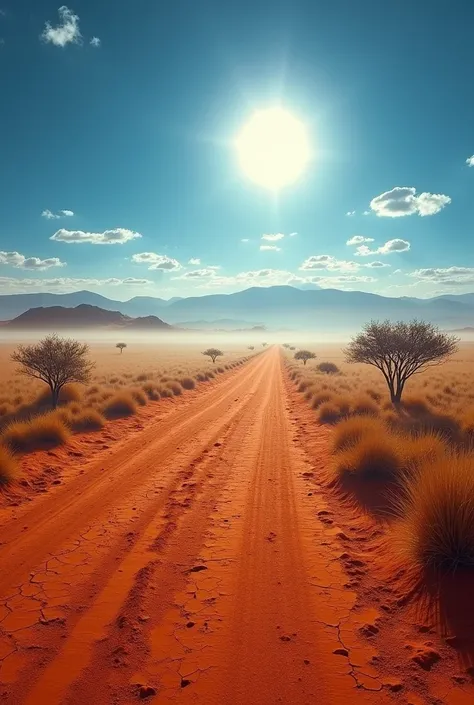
x=192, y=563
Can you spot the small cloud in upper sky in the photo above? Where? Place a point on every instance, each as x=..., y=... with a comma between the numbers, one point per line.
x=350, y=213
x=390, y=246
x=194, y=261
x=117, y=236
x=403, y=200
x=358, y=240
x=95, y=42
x=273, y=238
x=245, y=239
x=292, y=234
x=54, y=216
x=270, y=247
x=66, y=32
x=470, y=161
x=156, y=261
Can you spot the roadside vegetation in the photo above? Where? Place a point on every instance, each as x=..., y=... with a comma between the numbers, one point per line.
x=58, y=387
x=400, y=401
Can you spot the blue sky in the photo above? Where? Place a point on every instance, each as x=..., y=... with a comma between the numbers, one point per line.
x=119, y=172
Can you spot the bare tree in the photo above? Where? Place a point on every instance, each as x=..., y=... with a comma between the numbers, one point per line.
x=213, y=353
x=121, y=346
x=304, y=355
x=56, y=361
x=400, y=350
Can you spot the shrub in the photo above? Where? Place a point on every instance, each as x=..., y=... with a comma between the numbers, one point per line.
x=175, y=387
x=420, y=449
x=151, y=390
x=138, y=395
x=437, y=509
x=320, y=398
x=201, y=377
x=39, y=433
x=365, y=406
x=329, y=413
x=120, y=405
x=329, y=368
x=370, y=459
x=189, y=383
x=350, y=431
x=8, y=466
x=88, y=420
x=220, y=370
x=165, y=392
x=142, y=377
x=303, y=385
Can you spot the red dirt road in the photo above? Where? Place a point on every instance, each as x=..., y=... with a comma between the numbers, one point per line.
x=189, y=566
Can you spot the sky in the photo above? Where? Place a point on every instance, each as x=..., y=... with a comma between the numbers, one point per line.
x=121, y=171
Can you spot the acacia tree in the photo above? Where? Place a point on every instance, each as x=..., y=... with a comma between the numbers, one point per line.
x=251, y=347
x=305, y=355
x=264, y=345
x=121, y=346
x=400, y=350
x=213, y=353
x=56, y=361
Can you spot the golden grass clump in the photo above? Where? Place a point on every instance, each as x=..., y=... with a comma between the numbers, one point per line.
x=38, y=433
x=138, y=395
x=119, y=406
x=88, y=420
x=365, y=405
x=329, y=413
x=188, y=382
x=372, y=458
x=175, y=387
x=350, y=431
x=436, y=528
x=8, y=466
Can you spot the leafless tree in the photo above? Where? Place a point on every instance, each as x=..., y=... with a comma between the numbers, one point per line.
x=121, y=346
x=56, y=361
x=305, y=355
x=213, y=353
x=400, y=350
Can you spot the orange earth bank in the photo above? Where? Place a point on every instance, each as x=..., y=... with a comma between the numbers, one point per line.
x=200, y=556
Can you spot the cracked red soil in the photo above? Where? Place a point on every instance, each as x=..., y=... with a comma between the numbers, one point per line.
x=197, y=561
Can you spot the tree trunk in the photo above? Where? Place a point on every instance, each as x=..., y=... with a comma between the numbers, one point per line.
x=54, y=397
x=121, y=350
x=304, y=362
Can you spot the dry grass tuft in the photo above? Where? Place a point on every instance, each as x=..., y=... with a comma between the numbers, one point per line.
x=88, y=420
x=120, y=406
x=175, y=387
x=39, y=433
x=371, y=459
x=437, y=514
x=349, y=432
x=189, y=383
x=8, y=466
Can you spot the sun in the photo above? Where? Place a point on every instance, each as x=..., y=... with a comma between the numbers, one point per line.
x=273, y=148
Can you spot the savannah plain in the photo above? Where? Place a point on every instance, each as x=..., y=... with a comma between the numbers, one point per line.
x=256, y=530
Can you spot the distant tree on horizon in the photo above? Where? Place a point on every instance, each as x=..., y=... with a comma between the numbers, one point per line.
x=264, y=345
x=55, y=361
x=400, y=350
x=121, y=346
x=213, y=353
x=251, y=347
x=305, y=355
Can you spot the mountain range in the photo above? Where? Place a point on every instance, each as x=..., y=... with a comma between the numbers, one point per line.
x=276, y=307
x=83, y=316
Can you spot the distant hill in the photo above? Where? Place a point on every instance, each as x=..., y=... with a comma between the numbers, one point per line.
x=277, y=307
x=82, y=316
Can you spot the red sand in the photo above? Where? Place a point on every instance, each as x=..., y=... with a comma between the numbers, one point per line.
x=201, y=558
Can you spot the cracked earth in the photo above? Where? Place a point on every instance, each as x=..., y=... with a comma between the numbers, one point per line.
x=202, y=561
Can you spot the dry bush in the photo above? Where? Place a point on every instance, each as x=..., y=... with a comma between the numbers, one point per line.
x=437, y=514
x=88, y=420
x=320, y=398
x=188, y=382
x=40, y=432
x=351, y=430
x=152, y=391
x=329, y=413
x=372, y=458
x=328, y=368
x=421, y=449
x=138, y=395
x=175, y=387
x=120, y=406
x=166, y=392
x=365, y=405
x=8, y=466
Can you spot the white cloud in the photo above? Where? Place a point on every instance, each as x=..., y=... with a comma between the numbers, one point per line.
x=274, y=248
x=49, y=215
x=447, y=276
x=117, y=236
x=358, y=240
x=194, y=261
x=199, y=273
x=402, y=200
x=245, y=239
x=156, y=261
x=350, y=279
x=66, y=32
x=328, y=262
x=292, y=234
x=390, y=246
x=95, y=42
x=15, y=259
x=366, y=213
x=350, y=213
x=377, y=265
x=470, y=161
x=273, y=238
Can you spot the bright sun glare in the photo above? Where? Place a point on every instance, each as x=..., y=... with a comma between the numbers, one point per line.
x=273, y=148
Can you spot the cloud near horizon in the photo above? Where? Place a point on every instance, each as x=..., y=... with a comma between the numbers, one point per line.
x=273, y=238
x=156, y=261
x=402, y=200
x=328, y=262
x=396, y=245
x=69, y=284
x=273, y=248
x=117, y=236
x=19, y=261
